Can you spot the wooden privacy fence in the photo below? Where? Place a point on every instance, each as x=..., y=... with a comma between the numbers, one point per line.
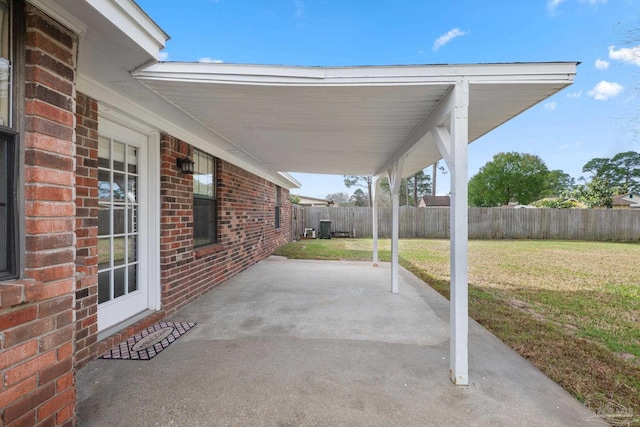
x=484, y=223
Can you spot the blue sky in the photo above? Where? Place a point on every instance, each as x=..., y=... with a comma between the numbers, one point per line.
x=595, y=117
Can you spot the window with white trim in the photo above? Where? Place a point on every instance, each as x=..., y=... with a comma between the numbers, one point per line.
x=8, y=149
x=205, y=204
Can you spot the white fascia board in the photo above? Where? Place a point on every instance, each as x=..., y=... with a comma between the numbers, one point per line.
x=354, y=76
x=506, y=72
x=184, y=127
x=62, y=16
x=134, y=22
x=294, y=183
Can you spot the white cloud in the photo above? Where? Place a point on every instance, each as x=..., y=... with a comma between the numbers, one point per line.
x=601, y=64
x=625, y=54
x=550, y=106
x=207, y=59
x=163, y=56
x=574, y=95
x=605, y=90
x=553, y=4
x=446, y=38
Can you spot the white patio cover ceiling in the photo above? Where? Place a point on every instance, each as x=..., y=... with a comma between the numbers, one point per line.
x=270, y=120
x=346, y=120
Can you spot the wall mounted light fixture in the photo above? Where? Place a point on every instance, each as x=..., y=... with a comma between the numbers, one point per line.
x=185, y=165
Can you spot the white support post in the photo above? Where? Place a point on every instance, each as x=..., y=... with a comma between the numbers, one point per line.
x=374, y=219
x=459, y=311
x=395, y=178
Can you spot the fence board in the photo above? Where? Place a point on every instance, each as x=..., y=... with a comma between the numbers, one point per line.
x=484, y=223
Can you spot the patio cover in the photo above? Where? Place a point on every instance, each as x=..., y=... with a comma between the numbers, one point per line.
x=270, y=120
x=373, y=121
x=348, y=120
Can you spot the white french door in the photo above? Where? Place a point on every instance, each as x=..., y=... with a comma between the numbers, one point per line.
x=123, y=290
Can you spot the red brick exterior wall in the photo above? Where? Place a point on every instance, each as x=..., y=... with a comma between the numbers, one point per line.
x=37, y=323
x=246, y=227
x=246, y=234
x=86, y=229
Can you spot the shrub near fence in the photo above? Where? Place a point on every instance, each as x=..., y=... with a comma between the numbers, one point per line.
x=484, y=223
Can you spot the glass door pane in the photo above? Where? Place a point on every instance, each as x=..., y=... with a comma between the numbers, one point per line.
x=117, y=220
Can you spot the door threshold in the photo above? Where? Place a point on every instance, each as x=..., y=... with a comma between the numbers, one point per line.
x=127, y=322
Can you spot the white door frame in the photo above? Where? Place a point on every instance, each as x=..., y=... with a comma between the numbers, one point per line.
x=112, y=123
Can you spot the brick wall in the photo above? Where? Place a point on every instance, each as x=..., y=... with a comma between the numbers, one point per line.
x=37, y=322
x=246, y=229
x=246, y=233
x=86, y=228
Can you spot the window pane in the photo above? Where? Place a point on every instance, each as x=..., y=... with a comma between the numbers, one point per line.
x=8, y=174
x=118, y=220
x=204, y=176
x=104, y=280
x=104, y=185
x=118, y=156
x=5, y=91
x=119, y=187
x=204, y=221
x=277, y=210
x=200, y=184
x=104, y=151
x=5, y=66
x=104, y=253
x=133, y=278
x=103, y=220
x=3, y=239
x=118, y=282
x=8, y=248
x=211, y=169
x=200, y=222
x=204, y=203
x=196, y=170
x=132, y=248
x=4, y=223
x=132, y=217
x=118, y=250
x=132, y=160
x=132, y=189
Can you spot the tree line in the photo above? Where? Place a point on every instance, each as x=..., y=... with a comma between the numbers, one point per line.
x=513, y=177
x=412, y=189
x=525, y=179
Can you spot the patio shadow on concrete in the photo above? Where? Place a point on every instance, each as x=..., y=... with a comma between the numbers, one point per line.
x=322, y=343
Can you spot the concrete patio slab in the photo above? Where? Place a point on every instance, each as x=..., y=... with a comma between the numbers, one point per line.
x=322, y=343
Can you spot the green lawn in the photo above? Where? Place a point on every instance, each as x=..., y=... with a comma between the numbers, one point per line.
x=571, y=308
